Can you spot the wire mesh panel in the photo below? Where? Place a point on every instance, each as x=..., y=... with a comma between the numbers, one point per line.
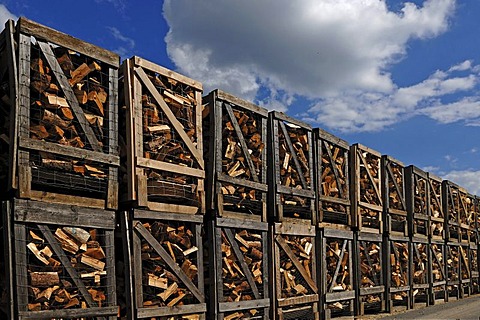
x=236, y=156
x=238, y=273
x=370, y=273
x=398, y=271
x=294, y=264
x=163, y=148
x=435, y=209
x=67, y=117
x=291, y=169
x=438, y=271
x=64, y=267
x=454, y=209
x=338, y=292
x=366, y=190
x=332, y=175
x=420, y=271
x=417, y=193
x=394, y=196
x=167, y=265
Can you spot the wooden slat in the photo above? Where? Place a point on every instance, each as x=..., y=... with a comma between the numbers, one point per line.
x=243, y=305
x=171, y=117
x=69, y=95
x=243, y=144
x=166, y=72
x=39, y=31
x=9, y=255
x=169, y=312
x=171, y=167
x=70, y=313
x=242, y=182
x=296, y=262
x=14, y=101
x=69, y=151
x=169, y=261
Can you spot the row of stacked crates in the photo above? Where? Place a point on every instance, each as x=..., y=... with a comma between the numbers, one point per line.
x=130, y=195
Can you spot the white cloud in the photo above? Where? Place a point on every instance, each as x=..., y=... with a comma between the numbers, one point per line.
x=468, y=179
x=120, y=5
x=5, y=14
x=325, y=51
x=127, y=46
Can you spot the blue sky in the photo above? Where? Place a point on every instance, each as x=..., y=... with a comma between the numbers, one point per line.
x=401, y=77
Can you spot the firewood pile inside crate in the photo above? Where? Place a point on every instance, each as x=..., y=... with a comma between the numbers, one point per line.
x=477, y=219
x=453, y=208
x=453, y=276
x=332, y=175
x=238, y=273
x=370, y=273
x=66, y=119
x=416, y=188
x=366, y=193
x=163, y=166
x=294, y=263
x=435, y=209
x=397, y=272
x=236, y=156
x=437, y=270
x=469, y=232
x=474, y=268
x=394, y=196
x=338, y=293
x=166, y=266
x=465, y=271
x=420, y=271
x=291, y=169
x=64, y=263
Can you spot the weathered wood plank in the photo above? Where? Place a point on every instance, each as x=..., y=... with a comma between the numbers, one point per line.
x=166, y=166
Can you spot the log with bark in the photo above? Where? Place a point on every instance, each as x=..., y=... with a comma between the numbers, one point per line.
x=50, y=284
x=161, y=286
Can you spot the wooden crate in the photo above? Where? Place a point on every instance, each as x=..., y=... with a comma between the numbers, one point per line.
x=453, y=275
x=336, y=275
x=435, y=207
x=369, y=276
x=64, y=261
x=235, y=132
x=474, y=268
x=468, y=221
x=295, y=292
x=238, y=274
x=164, y=169
x=417, y=193
x=366, y=189
x=332, y=177
x=163, y=265
x=454, y=209
x=290, y=177
x=420, y=271
x=477, y=211
x=437, y=271
x=397, y=271
x=65, y=146
x=394, y=196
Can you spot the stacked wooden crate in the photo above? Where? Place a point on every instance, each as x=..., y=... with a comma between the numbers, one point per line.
x=438, y=271
x=334, y=225
x=397, y=241
x=236, y=158
x=60, y=124
x=436, y=208
x=470, y=242
x=417, y=200
x=453, y=209
x=163, y=196
x=367, y=213
x=291, y=182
